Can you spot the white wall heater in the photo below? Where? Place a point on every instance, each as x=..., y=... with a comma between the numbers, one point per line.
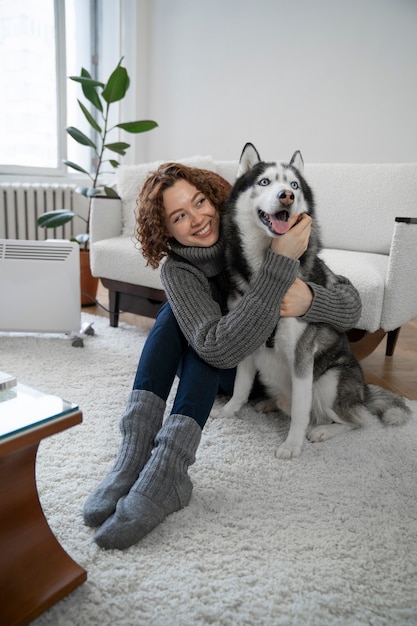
x=39, y=286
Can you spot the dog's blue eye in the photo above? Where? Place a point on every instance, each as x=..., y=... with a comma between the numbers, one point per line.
x=294, y=185
x=264, y=182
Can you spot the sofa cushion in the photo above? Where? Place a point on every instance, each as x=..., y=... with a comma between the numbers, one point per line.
x=120, y=258
x=130, y=179
x=367, y=273
x=228, y=170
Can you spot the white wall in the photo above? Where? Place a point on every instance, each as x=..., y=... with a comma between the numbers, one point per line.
x=333, y=78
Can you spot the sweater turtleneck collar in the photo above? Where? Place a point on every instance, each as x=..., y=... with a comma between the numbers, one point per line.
x=209, y=260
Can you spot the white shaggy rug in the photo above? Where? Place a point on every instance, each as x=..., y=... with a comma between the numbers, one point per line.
x=327, y=539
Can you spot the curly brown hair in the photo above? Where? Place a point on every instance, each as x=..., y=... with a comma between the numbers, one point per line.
x=150, y=225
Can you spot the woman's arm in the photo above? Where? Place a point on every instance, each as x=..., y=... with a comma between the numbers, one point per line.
x=338, y=304
x=225, y=340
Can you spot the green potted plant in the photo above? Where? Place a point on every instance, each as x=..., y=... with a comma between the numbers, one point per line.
x=100, y=96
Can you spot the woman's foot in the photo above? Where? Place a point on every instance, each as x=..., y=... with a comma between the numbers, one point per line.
x=162, y=487
x=139, y=425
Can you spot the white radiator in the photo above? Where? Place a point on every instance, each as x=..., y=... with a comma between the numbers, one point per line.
x=39, y=286
x=22, y=203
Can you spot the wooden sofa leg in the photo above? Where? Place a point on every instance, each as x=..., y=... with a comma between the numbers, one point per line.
x=363, y=343
x=392, y=337
x=114, y=308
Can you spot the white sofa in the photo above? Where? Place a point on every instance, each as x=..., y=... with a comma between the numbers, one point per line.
x=359, y=208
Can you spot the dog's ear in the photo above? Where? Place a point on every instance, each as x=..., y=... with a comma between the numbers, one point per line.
x=248, y=159
x=297, y=161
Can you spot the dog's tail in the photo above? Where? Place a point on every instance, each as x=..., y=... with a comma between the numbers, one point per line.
x=390, y=408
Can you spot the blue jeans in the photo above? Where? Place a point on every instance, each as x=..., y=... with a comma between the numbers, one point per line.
x=167, y=353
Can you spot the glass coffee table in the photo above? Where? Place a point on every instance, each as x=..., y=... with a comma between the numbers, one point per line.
x=35, y=570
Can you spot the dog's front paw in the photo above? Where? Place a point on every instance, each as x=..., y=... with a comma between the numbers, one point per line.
x=229, y=409
x=216, y=412
x=289, y=451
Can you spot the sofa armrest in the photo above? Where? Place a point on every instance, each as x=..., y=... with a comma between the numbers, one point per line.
x=400, y=300
x=105, y=218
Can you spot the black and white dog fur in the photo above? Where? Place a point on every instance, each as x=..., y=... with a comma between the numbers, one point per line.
x=308, y=370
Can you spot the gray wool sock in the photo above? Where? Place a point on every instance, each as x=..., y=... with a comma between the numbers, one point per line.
x=162, y=488
x=139, y=425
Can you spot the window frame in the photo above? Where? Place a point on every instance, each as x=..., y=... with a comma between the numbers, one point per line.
x=61, y=94
x=111, y=20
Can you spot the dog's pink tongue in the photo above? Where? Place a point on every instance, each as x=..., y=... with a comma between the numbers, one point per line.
x=279, y=226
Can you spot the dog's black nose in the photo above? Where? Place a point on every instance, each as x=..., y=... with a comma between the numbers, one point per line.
x=286, y=197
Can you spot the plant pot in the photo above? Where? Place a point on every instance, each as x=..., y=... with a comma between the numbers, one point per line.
x=89, y=283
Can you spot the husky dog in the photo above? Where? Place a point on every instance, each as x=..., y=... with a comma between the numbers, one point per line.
x=308, y=370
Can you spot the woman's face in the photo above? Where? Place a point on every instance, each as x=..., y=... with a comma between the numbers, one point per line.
x=189, y=216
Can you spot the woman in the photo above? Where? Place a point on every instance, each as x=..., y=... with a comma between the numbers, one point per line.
x=195, y=336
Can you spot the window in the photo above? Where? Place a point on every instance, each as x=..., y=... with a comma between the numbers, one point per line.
x=41, y=44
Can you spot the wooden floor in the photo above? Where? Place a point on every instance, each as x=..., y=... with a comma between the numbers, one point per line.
x=398, y=373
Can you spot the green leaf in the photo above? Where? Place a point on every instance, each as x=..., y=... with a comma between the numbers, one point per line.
x=82, y=191
x=54, y=219
x=76, y=167
x=114, y=163
x=120, y=147
x=86, y=80
x=82, y=238
x=88, y=192
x=80, y=137
x=137, y=127
x=116, y=86
x=90, y=119
x=89, y=87
x=110, y=192
x=93, y=191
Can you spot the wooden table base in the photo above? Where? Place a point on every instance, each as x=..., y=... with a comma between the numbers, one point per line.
x=35, y=571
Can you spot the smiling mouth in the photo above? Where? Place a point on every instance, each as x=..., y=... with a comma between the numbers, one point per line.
x=204, y=231
x=276, y=223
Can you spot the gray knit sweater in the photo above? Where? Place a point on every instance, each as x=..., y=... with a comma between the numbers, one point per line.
x=192, y=278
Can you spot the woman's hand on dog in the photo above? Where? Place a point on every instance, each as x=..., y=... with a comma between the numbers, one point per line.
x=293, y=244
x=295, y=241
x=297, y=300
